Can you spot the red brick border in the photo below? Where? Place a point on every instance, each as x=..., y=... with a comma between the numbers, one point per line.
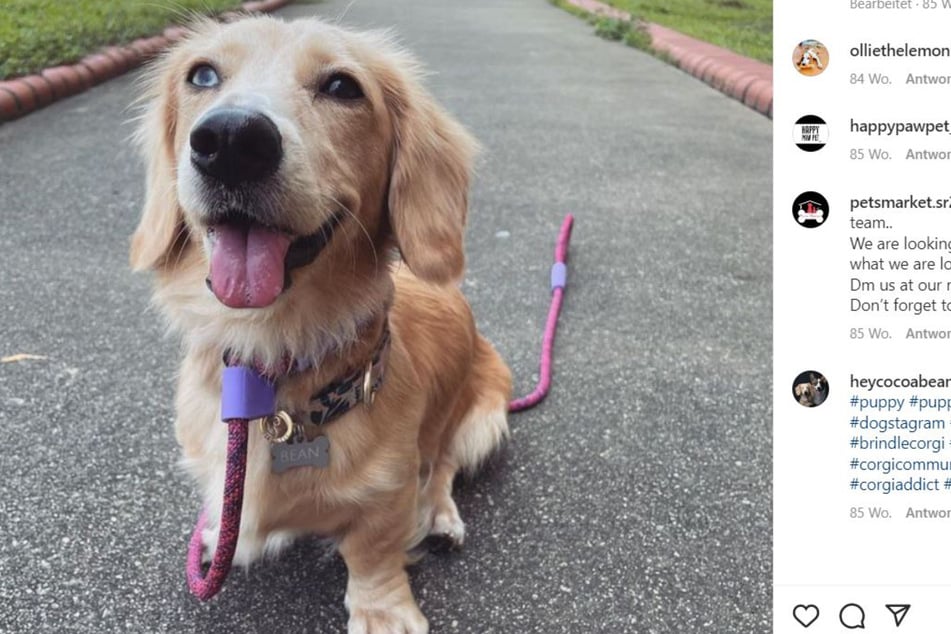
x=23, y=95
x=747, y=80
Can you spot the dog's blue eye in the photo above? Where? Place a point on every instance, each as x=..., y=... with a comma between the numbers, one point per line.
x=204, y=76
x=341, y=86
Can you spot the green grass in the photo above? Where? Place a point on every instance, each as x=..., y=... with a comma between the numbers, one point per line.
x=35, y=34
x=743, y=26
x=631, y=32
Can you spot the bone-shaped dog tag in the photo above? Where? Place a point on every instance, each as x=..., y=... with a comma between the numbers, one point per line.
x=309, y=453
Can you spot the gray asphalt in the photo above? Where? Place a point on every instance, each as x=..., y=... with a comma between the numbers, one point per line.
x=637, y=498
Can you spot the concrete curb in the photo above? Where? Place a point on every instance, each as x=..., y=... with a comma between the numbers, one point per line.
x=747, y=80
x=23, y=95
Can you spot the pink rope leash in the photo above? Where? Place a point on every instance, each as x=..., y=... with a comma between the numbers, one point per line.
x=559, y=275
x=206, y=585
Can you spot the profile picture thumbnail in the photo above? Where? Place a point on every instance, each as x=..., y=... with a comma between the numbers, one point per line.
x=810, y=133
x=810, y=209
x=810, y=388
x=811, y=57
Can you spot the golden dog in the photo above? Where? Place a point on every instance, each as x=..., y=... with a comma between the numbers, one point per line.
x=287, y=163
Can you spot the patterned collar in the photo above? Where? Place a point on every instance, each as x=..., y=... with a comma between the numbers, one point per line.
x=248, y=390
x=360, y=386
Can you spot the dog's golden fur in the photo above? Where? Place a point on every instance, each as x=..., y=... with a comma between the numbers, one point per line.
x=398, y=165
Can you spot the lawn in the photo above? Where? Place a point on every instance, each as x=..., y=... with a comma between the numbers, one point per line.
x=35, y=34
x=743, y=26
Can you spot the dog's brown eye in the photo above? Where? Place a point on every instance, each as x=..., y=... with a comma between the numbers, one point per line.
x=204, y=76
x=341, y=86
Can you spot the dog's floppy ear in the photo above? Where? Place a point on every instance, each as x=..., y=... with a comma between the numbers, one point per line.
x=429, y=183
x=161, y=231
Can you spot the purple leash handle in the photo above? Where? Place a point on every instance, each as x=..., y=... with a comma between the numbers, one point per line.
x=245, y=395
x=559, y=277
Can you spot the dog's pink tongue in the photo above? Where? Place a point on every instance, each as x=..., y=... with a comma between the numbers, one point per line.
x=247, y=265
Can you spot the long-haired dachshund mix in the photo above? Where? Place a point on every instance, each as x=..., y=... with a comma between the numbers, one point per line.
x=287, y=164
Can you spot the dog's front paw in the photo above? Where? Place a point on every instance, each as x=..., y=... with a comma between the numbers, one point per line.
x=249, y=549
x=209, y=542
x=448, y=526
x=400, y=619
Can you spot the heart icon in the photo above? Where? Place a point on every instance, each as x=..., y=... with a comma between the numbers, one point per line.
x=806, y=615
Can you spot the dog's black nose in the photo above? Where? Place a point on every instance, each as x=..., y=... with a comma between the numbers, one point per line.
x=235, y=145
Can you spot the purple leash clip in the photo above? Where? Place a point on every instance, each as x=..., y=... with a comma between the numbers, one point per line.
x=245, y=394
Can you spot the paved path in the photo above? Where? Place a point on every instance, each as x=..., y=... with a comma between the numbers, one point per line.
x=636, y=499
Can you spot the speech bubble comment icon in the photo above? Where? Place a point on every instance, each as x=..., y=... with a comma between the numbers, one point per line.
x=852, y=616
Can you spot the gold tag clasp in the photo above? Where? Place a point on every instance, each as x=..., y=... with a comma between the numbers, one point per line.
x=277, y=428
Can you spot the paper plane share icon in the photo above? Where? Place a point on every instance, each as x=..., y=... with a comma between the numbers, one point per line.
x=899, y=611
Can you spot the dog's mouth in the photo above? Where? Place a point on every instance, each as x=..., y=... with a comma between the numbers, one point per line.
x=251, y=262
